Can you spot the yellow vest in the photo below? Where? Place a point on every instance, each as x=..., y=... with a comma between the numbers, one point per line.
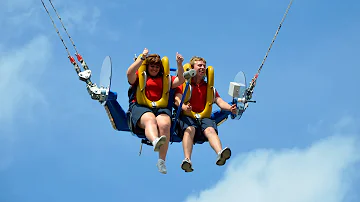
x=210, y=94
x=140, y=89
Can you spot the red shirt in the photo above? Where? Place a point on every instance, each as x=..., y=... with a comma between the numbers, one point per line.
x=198, y=96
x=154, y=87
x=179, y=89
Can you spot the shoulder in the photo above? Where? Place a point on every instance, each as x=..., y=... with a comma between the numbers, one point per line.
x=217, y=93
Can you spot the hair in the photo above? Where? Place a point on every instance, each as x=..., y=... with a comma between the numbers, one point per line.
x=154, y=59
x=196, y=58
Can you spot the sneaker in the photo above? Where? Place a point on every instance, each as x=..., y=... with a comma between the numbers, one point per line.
x=186, y=165
x=158, y=142
x=161, y=166
x=223, y=156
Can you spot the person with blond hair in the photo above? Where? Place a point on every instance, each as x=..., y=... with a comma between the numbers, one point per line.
x=200, y=128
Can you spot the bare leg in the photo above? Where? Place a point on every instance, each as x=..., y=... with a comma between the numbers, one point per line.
x=213, y=138
x=188, y=141
x=214, y=141
x=148, y=122
x=164, y=123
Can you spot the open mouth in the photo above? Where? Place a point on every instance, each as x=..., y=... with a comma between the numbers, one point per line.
x=201, y=72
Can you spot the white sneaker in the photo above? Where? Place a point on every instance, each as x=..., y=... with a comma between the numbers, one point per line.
x=158, y=142
x=223, y=156
x=161, y=166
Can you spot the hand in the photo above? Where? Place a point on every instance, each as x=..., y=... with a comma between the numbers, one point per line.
x=179, y=58
x=145, y=52
x=233, y=109
x=186, y=107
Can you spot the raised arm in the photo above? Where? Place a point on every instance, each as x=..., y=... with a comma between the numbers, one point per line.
x=131, y=72
x=180, y=71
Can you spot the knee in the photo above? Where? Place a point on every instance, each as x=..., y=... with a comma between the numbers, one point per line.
x=148, y=121
x=210, y=131
x=190, y=131
x=164, y=124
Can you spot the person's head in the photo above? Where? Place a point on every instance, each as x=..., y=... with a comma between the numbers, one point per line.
x=154, y=65
x=199, y=65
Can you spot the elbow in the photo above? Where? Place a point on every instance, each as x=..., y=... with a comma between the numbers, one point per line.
x=128, y=76
x=181, y=79
x=129, y=73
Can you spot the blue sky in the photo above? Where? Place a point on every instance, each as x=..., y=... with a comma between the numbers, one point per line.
x=299, y=142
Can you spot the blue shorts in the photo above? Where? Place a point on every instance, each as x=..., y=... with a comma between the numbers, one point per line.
x=136, y=111
x=199, y=125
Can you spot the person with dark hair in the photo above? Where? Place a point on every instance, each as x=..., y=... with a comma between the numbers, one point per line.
x=148, y=106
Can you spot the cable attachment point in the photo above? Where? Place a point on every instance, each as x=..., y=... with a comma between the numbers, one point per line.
x=85, y=75
x=82, y=61
x=104, y=93
x=101, y=94
x=93, y=91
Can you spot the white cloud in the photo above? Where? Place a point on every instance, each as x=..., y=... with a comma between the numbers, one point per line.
x=322, y=172
x=23, y=58
x=20, y=69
